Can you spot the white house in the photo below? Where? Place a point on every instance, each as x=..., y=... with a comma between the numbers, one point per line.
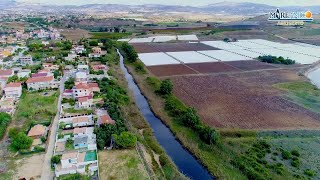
x=24, y=73
x=83, y=67
x=24, y=60
x=38, y=83
x=85, y=102
x=81, y=77
x=13, y=90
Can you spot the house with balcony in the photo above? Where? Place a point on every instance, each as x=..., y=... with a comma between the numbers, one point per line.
x=40, y=83
x=13, y=90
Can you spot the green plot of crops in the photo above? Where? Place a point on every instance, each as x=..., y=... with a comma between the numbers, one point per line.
x=302, y=93
x=104, y=35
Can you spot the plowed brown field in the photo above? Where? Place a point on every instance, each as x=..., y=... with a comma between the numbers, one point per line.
x=170, y=47
x=244, y=100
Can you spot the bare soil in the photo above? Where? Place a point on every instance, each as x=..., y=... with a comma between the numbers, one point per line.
x=245, y=100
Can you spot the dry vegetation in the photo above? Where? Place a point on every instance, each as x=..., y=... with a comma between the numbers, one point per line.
x=121, y=164
x=75, y=34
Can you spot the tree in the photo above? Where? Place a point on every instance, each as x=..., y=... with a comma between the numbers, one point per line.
x=14, y=78
x=21, y=141
x=13, y=132
x=125, y=140
x=190, y=118
x=93, y=43
x=166, y=87
x=55, y=159
x=131, y=54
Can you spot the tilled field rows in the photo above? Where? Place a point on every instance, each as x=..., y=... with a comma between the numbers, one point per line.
x=245, y=100
x=208, y=68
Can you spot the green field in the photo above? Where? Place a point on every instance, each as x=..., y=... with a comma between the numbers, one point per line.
x=36, y=107
x=307, y=143
x=103, y=35
x=302, y=93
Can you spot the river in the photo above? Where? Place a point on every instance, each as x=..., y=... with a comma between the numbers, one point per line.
x=184, y=160
x=314, y=76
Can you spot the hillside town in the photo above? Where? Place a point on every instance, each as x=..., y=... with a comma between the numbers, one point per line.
x=42, y=63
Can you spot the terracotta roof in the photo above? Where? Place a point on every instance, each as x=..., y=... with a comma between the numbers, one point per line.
x=5, y=72
x=37, y=130
x=92, y=85
x=82, y=86
x=40, y=79
x=106, y=119
x=80, y=119
x=10, y=85
x=81, y=157
x=83, y=99
x=39, y=75
x=69, y=155
x=68, y=91
x=79, y=130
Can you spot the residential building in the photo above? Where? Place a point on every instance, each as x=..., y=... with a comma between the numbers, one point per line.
x=81, y=77
x=37, y=131
x=85, y=102
x=26, y=60
x=83, y=68
x=80, y=142
x=50, y=67
x=24, y=73
x=71, y=57
x=81, y=121
x=38, y=83
x=13, y=90
x=105, y=119
x=81, y=90
x=99, y=67
x=96, y=50
x=5, y=73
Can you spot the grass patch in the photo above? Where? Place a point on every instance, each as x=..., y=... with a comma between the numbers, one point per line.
x=125, y=161
x=302, y=93
x=104, y=35
x=78, y=111
x=35, y=107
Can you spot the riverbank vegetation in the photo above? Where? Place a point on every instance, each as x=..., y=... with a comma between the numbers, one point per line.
x=122, y=108
x=227, y=153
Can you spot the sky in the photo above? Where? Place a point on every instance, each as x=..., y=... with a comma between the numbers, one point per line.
x=175, y=2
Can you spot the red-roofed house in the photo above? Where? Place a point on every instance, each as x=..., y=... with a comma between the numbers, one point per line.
x=38, y=83
x=39, y=75
x=6, y=73
x=37, y=131
x=13, y=90
x=81, y=90
x=99, y=67
x=105, y=119
x=85, y=102
x=94, y=87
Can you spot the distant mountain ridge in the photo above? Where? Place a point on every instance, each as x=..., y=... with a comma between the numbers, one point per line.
x=232, y=8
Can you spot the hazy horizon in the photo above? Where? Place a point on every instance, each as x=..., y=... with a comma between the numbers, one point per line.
x=172, y=2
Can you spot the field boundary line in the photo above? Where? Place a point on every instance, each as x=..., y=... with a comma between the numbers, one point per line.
x=184, y=64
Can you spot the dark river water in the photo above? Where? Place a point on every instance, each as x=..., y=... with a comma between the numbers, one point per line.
x=185, y=161
x=314, y=76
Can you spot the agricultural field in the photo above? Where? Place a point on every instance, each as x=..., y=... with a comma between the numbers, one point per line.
x=170, y=47
x=245, y=100
x=75, y=34
x=306, y=143
x=170, y=70
x=104, y=35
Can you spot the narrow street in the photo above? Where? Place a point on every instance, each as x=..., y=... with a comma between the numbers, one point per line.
x=46, y=170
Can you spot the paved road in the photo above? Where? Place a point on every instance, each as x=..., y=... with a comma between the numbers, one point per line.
x=47, y=174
